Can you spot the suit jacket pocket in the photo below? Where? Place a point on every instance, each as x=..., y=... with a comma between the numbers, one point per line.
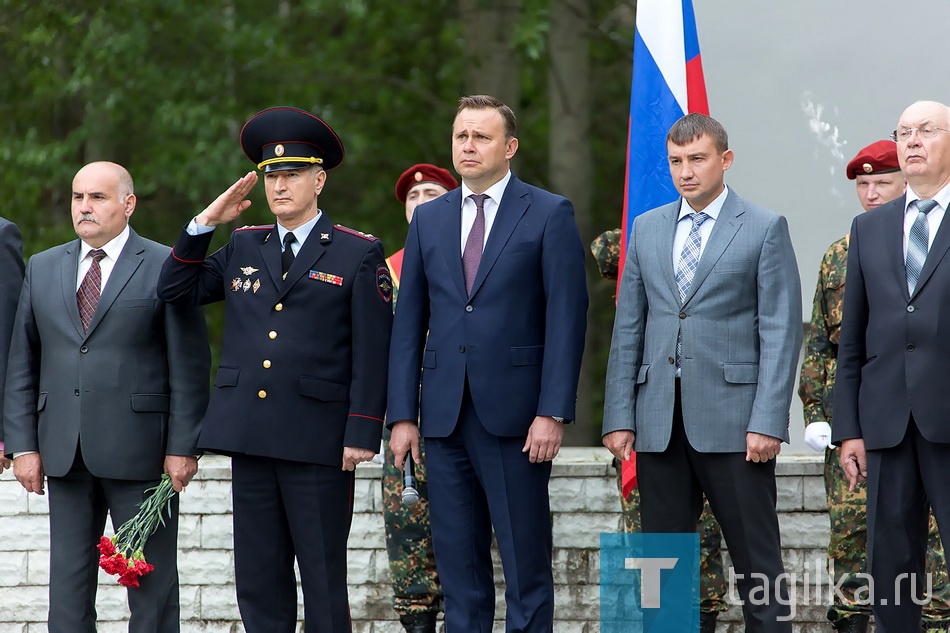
x=642, y=374
x=41, y=401
x=733, y=266
x=527, y=355
x=741, y=373
x=150, y=402
x=428, y=359
x=135, y=303
x=323, y=389
x=227, y=377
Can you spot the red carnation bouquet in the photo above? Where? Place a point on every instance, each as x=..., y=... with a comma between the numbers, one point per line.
x=122, y=555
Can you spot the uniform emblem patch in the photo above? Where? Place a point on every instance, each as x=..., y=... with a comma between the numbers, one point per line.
x=384, y=283
x=247, y=285
x=326, y=278
x=235, y=284
x=249, y=270
x=257, y=285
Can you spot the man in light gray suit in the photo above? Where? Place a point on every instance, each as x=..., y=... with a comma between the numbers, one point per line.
x=105, y=388
x=702, y=363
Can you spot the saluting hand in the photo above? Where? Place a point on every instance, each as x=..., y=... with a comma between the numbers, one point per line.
x=230, y=204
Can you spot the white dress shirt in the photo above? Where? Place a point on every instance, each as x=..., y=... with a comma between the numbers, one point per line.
x=684, y=223
x=112, y=248
x=495, y=193
x=934, y=218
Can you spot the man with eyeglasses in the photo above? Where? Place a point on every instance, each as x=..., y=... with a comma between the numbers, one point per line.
x=876, y=172
x=891, y=409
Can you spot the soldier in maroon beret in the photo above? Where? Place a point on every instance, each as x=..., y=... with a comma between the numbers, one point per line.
x=417, y=594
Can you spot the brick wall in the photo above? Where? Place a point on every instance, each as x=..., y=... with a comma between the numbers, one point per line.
x=584, y=503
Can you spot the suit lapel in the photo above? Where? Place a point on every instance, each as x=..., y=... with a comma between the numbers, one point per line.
x=270, y=253
x=724, y=230
x=451, y=234
x=129, y=260
x=69, y=271
x=514, y=202
x=664, y=246
x=937, y=252
x=894, y=239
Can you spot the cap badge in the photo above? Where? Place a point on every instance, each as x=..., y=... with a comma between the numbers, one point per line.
x=279, y=150
x=867, y=168
x=418, y=176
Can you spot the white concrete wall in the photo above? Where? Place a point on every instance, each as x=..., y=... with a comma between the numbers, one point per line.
x=584, y=503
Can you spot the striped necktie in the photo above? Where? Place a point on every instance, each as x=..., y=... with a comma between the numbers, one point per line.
x=918, y=243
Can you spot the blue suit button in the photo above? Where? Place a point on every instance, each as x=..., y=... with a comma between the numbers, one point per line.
x=461, y=349
x=910, y=347
x=469, y=309
x=83, y=349
x=910, y=308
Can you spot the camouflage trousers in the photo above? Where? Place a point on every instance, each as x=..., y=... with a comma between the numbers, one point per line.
x=712, y=580
x=847, y=549
x=415, y=582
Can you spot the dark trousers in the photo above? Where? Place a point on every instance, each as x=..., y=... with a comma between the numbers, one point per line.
x=742, y=496
x=285, y=510
x=478, y=481
x=904, y=482
x=78, y=505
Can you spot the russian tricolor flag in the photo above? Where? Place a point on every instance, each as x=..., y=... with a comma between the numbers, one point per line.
x=667, y=84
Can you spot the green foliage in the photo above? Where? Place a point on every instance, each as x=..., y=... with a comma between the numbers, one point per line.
x=164, y=88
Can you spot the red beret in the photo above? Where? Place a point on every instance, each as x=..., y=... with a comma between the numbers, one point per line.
x=423, y=172
x=877, y=158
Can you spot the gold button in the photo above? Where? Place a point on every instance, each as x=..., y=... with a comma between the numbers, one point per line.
x=279, y=307
x=266, y=364
x=262, y=394
x=272, y=334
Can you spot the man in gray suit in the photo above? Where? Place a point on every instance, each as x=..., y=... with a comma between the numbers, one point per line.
x=702, y=363
x=105, y=389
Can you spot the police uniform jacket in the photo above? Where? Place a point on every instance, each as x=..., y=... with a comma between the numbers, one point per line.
x=303, y=361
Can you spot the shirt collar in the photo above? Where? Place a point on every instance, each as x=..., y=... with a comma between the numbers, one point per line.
x=712, y=209
x=495, y=192
x=301, y=232
x=113, y=247
x=942, y=198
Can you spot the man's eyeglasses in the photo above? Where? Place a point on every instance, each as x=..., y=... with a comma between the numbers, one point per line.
x=903, y=134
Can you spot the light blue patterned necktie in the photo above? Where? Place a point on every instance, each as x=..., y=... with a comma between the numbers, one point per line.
x=686, y=270
x=919, y=243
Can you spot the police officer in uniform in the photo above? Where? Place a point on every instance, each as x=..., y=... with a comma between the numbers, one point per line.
x=299, y=395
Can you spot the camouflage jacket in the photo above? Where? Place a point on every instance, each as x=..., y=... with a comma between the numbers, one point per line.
x=816, y=385
x=606, y=251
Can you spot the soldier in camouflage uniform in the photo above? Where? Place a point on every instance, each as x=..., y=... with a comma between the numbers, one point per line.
x=417, y=594
x=876, y=170
x=712, y=580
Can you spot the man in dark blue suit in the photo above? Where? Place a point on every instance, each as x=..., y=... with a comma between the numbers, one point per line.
x=491, y=319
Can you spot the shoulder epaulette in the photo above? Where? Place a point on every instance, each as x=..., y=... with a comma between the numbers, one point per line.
x=258, y=227
x=366, y=236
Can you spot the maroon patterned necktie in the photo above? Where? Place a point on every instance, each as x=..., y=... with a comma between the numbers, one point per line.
x=472, y=255
x=87, y=297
